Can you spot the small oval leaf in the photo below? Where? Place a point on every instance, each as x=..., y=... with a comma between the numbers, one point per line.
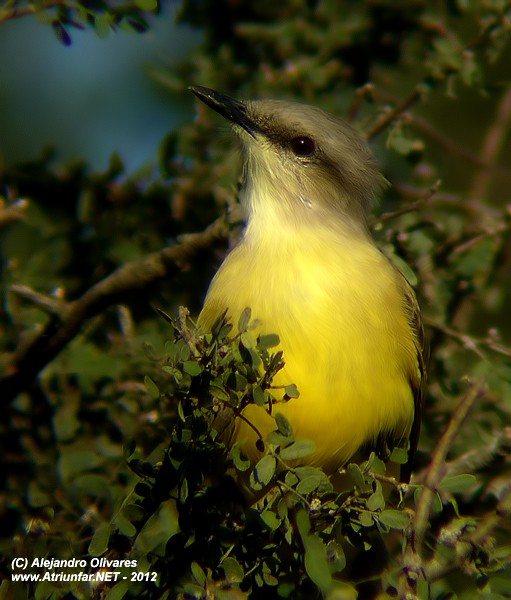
x=395, y=519
x=192, y=368
x=265, y=469
x=457, y=483
x=298, y=449
x=152, y=388
x=99, y=543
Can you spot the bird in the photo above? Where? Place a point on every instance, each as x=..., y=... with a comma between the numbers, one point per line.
x=307, y=266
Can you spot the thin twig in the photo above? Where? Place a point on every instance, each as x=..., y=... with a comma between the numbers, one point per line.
x=189, y=336
x=386, y=119
x=482, y=456
x=466, y=545
x=456, y=201
x=381, y=95
x=6, y=14
x=413, y=568
x=48, y=304
x=471, y=343
x=415, y=206
x=436, y=469
x=492, y=146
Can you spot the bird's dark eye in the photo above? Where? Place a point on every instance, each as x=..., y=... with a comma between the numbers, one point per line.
x=303, y=145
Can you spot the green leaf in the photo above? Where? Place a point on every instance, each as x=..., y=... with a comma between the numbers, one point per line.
x=118, y=592
x=103, y=24
x=249, y=356
x=233, y=570
x=335, y=556
x=366, y=519
x=376, y=464
x=269, y=340
x=283, y=425
x=97, y=486
x=291, y=479
x=124, y=525
x=240, y=462
x=376, y=500
x=476, y=259
x=237, y=382
x=316, y=563
x=159, y=528
x=298, y=449
x=268, y=578
x=309, y=484
x=244, y=319
x=184, y=351
x=223, y=332
x=198, y=574
x=303, y=522
x=65, y=421
x=176, y=373
x=248, y=340
x=399, y=141
x=356, y=475
x=263, y=471
x=399, y=455
x=129, y=447
x=183, y=491
x=291, y=391
x=437, y=504
x=74, y=462
x=152, y=388
x=192, y=591
x=286, y=590
x=99, y=542
x=276, y=439
x=457, y=484
x=147, y=4
x=258, y=396
x=134, y=512
x=219, y=392
x=192, y=367
x=395, y=519
x=270, y=519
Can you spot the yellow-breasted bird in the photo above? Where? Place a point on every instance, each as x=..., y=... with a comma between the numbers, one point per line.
x=307, y=266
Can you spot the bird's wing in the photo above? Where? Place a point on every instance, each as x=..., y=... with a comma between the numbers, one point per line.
x=418, y=383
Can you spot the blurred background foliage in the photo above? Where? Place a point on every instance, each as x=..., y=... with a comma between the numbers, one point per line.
x=429, y=84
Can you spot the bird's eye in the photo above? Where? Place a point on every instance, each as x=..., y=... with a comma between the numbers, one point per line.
x=303, y=145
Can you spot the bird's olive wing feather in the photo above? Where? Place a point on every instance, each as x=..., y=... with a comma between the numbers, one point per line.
x=418, y=383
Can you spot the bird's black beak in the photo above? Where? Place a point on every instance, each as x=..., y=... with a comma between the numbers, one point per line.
x=228, y=107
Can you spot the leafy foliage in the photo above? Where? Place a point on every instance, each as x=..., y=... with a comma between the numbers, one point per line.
x=98, y=465
x=102, y=17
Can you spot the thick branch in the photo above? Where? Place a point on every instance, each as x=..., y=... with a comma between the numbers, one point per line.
x=30, y=359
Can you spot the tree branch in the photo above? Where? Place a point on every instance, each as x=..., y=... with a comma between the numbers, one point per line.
x=32, y=357
x=387, y=118
x=492, y=146
x=466, y=545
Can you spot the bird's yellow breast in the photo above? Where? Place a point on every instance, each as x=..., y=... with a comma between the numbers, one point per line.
x=338, y=307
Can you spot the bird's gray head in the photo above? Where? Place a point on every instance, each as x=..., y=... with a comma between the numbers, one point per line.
x=302, y=159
